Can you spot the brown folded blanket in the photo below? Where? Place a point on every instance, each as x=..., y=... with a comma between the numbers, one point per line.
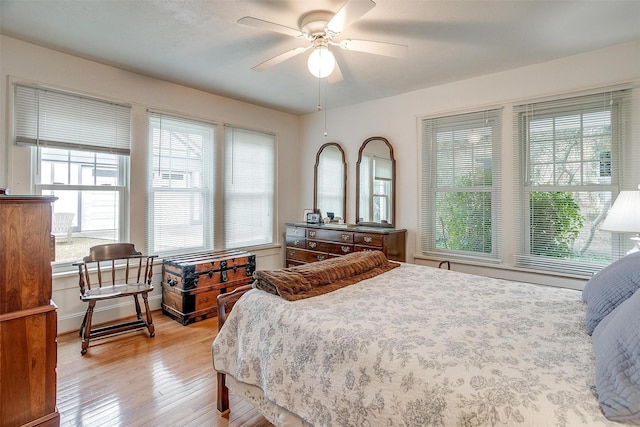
x=317, y=278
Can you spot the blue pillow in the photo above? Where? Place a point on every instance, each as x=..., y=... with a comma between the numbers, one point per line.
x=610, y=287
x=616, y=344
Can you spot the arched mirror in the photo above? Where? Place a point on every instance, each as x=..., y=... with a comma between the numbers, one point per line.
x=375, y=183
x=330, y=182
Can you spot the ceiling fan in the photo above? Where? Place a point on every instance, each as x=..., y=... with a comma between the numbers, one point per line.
x=320, y=28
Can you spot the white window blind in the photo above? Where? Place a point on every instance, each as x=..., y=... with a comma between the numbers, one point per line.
x=46, y=117
x=80, y=151
x=249, y=179
x=570, y=163
x=182, y=184
x=461, y=205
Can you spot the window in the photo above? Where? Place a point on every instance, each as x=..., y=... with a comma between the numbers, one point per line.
x=460, y=185
x=249, y=171
x=80, y=155
x=570, y=168
x=182, y=185
x=186, y=192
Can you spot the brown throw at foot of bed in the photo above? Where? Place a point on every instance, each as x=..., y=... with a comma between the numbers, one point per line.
x=310, y=280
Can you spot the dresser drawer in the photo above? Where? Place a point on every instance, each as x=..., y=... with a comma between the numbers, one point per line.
x=331, y=235
x=306, y=256
x=295, y=241
x=298, y=232
x=361, y=248
x=332, y=248
x=368, y=239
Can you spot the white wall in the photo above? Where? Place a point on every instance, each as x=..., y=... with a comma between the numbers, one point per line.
x=396, y=118
x=26, y=62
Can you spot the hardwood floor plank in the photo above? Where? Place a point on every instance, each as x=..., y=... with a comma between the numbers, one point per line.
x=134, y=380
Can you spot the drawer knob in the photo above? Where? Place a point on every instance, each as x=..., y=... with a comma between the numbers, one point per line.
x=292, y=253
x=172, y=282
x=368, y=239
x=312, y=244
x=312, y=233
x=345, y=249
x=296, y=242
x=320, y=257
x=346, y=237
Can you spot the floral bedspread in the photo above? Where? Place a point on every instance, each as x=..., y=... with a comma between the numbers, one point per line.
x=418, y=346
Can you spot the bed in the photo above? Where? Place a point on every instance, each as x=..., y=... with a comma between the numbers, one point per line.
x=420, y=346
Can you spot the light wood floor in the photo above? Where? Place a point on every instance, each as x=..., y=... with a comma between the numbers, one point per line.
x=134, y=380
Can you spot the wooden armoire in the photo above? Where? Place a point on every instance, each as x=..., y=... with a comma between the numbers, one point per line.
x=28, y=319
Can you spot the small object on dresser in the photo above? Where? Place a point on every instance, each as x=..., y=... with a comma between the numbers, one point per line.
x=192, y=282
x=314, y=218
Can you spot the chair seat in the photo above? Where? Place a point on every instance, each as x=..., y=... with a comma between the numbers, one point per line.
x=124, y=289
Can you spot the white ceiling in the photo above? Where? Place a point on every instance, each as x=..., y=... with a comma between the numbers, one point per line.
x=198, y=43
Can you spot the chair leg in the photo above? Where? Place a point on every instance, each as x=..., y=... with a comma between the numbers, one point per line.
x=84, y=323
x=138, y=311
x=152, y=329
x=87, y=327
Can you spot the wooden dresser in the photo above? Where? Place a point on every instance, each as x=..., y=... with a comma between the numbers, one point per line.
x=311, y=243
x=28, y=319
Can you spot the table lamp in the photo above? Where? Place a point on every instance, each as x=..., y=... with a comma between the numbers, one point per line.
x=624, y=217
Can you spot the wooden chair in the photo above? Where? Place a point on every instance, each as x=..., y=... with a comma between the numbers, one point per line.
x=121, y=271
x=63, y=224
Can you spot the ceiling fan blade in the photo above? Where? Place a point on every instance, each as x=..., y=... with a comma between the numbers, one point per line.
x=280, y=58
x=271, y=26
x=336, y=76
x=377, y=48
x=349, y=13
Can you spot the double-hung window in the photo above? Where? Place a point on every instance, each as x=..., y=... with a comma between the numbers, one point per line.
x=191, y=207
x=570, y=164
x=181, y=196
x=80, y=154
x=460, y=189
x=249, y=171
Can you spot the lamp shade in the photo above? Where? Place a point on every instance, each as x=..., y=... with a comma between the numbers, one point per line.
x=321, y=62
x=624, y=215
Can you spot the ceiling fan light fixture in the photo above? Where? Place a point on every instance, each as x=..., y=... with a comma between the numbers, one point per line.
x=321, y=62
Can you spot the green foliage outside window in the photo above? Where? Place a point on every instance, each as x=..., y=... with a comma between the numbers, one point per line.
x=465, y=219
x=555, y=223
x=465, y=216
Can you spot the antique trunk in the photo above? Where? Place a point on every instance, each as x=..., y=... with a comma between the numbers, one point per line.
x=192, y=282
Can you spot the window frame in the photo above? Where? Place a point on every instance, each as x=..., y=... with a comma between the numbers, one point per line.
x=216, y=195
x=102, y=127
x=464, y=121
x=122, y=189
x=617, y=102
x=206, y=189
x=267, y=138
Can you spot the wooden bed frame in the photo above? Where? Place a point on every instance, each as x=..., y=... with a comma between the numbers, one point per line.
x=225, y=303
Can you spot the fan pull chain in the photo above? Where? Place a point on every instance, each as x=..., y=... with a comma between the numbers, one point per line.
x=325, y=110
x=322, y=101
x=319, y=104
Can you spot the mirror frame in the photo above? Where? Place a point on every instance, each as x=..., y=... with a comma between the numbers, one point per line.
x=393, y=184
x=344, y=178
